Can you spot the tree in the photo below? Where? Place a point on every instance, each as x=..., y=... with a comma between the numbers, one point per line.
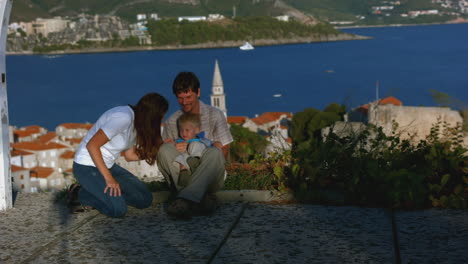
x=246, y=144
x=445, y=100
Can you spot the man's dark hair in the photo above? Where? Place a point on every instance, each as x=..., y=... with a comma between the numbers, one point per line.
x=184, y=82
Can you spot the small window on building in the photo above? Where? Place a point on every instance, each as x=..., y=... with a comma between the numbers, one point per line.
x=22, y=186
x=22, y=177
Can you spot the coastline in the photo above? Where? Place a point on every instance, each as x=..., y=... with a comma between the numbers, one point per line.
x=233, y=44
x=207, y=45
x=456, y=21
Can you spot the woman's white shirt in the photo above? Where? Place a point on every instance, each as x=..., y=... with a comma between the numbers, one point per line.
x=117, y=124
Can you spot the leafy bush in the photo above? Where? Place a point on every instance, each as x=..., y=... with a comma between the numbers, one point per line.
x=246, y=144
x=373, y=169
x=261, y=173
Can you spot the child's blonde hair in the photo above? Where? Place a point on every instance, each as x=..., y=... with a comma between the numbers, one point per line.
x=190, y=118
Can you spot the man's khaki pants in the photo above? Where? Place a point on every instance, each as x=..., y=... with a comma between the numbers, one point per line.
x=208, y=177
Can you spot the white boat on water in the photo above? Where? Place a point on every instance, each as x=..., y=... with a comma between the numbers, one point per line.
x=246, y=46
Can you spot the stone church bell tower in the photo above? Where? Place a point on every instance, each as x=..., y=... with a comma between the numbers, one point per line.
x=218, y=98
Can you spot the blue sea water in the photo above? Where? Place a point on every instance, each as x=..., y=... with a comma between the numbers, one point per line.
x=407, y=62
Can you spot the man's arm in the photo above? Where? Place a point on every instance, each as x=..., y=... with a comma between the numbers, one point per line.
x=225, y=150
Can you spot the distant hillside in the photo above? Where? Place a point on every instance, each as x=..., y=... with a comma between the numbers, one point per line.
x=360, y=11
x=30, y=9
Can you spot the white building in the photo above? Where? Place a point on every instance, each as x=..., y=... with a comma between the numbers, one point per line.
x=267, y=121
x=13, y=27
x=65, y=162
x=275, y=126
x=23, y=158
x=141, y=17
x=21, y=179
x=214, y=17
x=284, y=18
x=45, y=26
x=72, y=130
x=29, y=133
x=141, y=169
x=47, y=179
x=192, y=18
x=47, y=155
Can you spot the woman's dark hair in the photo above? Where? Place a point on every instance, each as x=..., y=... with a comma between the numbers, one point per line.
x=149, y=112
x=184, y=82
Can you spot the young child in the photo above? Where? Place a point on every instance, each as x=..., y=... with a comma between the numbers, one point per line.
x=189, y=131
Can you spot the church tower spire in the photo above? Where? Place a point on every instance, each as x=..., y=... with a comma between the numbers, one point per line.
x=218, y=98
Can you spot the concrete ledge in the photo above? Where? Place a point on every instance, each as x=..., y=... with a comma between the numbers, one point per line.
x=253, y=196
x=237, y=196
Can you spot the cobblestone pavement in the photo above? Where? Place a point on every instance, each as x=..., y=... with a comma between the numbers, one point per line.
x=39, y=230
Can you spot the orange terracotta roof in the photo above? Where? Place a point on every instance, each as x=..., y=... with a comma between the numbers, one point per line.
x=236, y=119
x=47, y=137
x=34, y=128
x=387, y=100
x=15, y=168
x=289, y=140
x=269, y=117
x=74, y=140
x=27, y=131
x=69, y=170
x=36, y=146
x=390, y=100
x=18, y=152
x=68, y=155
x=23, y=133
x=363, y=108
x=41, y=172
x=77, y=126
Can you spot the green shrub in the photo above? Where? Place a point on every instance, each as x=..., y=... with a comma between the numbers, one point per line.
x=374, y=169
x=261, y=173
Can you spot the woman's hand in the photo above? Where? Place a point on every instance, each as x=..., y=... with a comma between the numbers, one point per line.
x=94, y=148
x=113, y=186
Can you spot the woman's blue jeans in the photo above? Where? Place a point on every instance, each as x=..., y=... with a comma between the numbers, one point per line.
x=134, y=192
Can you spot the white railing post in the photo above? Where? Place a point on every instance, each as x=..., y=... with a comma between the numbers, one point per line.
x=5, y=172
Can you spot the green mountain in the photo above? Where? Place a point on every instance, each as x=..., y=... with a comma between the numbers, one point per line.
x=360, y=11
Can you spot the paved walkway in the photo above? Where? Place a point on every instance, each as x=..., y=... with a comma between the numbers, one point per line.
x=38, y=230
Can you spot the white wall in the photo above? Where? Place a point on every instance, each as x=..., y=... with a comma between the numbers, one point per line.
x=412, y=119
x=5, y=172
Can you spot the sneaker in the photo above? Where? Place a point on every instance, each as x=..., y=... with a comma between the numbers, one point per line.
x=74, y=209
x=184, y=178
x=207, y=205
x=72, y=194
x=180, y=208
x=193, y=162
